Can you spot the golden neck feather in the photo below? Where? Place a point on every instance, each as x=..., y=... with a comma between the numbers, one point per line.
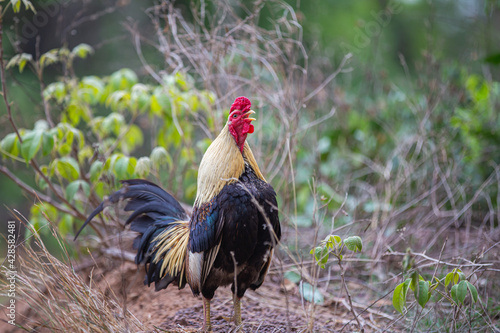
x=222, y=164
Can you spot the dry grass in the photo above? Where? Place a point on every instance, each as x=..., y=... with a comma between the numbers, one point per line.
x=53, y=297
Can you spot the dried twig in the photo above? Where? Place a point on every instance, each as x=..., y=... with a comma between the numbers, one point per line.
x=344, y=284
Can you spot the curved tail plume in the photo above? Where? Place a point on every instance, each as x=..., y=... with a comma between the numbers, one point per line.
x=163, y=230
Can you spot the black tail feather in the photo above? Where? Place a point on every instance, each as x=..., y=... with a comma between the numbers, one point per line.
x=153, y=211
x=91, y=216
x=147, y=198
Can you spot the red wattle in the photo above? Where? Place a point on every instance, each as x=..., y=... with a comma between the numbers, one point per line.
x=250, y=130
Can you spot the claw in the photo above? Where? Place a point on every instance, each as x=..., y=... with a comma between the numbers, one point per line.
x=228, y=319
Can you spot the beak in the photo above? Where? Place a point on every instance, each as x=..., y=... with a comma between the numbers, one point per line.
x=248, y=113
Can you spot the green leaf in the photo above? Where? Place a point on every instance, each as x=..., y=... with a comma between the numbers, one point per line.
x=118, y=100
x=23, y=62
x=160, y=156
x=31, y=144
x=143, y=167
x=64, y=149
x=473, y=291
x=414, y=281
x=155, y=106
x=96, y=170
x=311, y=294
x=41, y=125
x=57, y=132
x=100, y=190
x=140, y=96
x=13, y=61
x=134, y=138
x=183, y=81
x=478, y=88
x=73, y=188
x=16, y=5
x=422, y=295
x=10, y=144
x=193, y=102
x=453, y=293
x=70, y=136
x=354, y=243
x=47, y=143
x=20, y=60
x=49, y=58
x=123, y=79
x=40, y=215
x=462, y=291
x=448, y=279
x=399, y=296
x=292, y=276
x=113, y=123
x=110, y=162
x=458, y=276
x=120, y=167
x=65, y=146
x=67, y=167
x=84, y=154
x=321, y=255
x=91, y=89
x=36, y=224
x=64, y=52
x=79, y=136
x=65, y=225
x=160, y=102
x=56, y=90
x=172, y=135
x=333, y=241
x=82, y=50
x=124, y=167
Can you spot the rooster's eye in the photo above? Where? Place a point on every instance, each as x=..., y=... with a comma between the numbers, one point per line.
x=235, y=115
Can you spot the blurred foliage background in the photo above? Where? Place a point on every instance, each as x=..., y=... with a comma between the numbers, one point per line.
x=398, y=57
x=386, y=110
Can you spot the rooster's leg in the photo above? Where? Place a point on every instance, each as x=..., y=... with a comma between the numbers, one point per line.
x=237, y=310
x=207, y=326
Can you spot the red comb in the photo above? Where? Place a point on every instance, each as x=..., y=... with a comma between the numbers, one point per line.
x=241, y=103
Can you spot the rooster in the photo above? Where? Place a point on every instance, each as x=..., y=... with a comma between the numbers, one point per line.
x=233, y=229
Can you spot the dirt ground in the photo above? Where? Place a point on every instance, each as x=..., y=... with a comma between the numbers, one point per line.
x=269, y=309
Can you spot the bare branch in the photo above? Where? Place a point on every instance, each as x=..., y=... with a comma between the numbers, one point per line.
x=35, y=193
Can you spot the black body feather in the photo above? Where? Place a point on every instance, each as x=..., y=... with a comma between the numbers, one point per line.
x=243, y=218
